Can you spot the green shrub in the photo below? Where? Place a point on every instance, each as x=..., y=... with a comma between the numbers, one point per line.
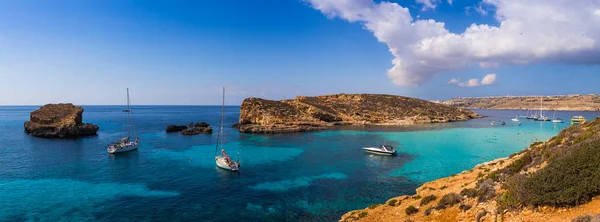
x=429, y=210
x=427, y=199
x=464, y=207
x=431, y=188
x=516, y=166
x=392, y=202
x=570, y=179
x=448, y=200
x=470, y=193
x=416, y=197
x=409, y=220
x=494, y=176
x=411, y=210
x=363, y=214
x=480, y=175
x=485, y=190
x=443, y=187
x=374, y=206
x=583, y=218
x=507, y=201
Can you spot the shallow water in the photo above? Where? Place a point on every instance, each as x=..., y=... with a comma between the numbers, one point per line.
x=314, y=176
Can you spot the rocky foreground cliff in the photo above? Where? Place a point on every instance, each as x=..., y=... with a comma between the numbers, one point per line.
x=557, y=180
x=62, y=120
x=589, y=102
x=306, y=113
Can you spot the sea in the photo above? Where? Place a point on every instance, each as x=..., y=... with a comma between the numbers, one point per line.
x=312, y=176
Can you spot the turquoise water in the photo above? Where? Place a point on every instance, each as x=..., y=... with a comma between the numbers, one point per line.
x=314, y=176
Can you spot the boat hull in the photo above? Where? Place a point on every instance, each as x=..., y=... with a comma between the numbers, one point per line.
x=379, y=152
x=222, y=163
x=122, y=149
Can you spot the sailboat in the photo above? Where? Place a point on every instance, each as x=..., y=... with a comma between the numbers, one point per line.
x=532, y=116
x=542, y=117
x=124, y=144
x=556, y=120
x=223, y=160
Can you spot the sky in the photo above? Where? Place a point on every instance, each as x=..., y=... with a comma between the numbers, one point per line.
x=184, y=52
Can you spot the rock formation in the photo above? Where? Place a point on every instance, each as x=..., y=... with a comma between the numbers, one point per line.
x=190, y=129
x=321, y=112
x=62, y=120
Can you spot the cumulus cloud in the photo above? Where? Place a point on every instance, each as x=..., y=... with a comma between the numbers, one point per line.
x=529, y=31
x=488, y=79
x=429, y=4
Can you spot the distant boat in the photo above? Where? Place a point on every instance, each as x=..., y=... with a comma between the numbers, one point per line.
x=556, y=120
x=224, y=161
x=381, y=150
x=493, y=123
x=124, y=144
x=542, y=117
x=126, y=110
x=576, y=120
x=502, y=123
x=516, y=119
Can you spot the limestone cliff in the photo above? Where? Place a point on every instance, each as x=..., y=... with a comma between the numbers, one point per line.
x=62, y=120
x=557, y=180
x=306, y=113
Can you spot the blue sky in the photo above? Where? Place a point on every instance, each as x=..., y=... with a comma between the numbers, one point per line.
x=182, y=52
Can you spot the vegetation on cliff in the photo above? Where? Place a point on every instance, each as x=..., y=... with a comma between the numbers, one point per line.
x=558, y=179
x=190, y=129
x=63, y=120
x=320, y=112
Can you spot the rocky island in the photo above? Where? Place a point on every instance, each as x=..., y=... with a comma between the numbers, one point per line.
x=576, y=102
x=306, y=113
x=556, y=180
x=62, y=120
x=190, y=129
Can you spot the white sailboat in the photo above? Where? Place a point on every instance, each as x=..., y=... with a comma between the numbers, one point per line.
x=223, y=160
x=556, y=120
x=542, y=117
x=124, y=144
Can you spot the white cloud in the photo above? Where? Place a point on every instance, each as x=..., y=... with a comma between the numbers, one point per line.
x=488, y=79
x=597, y=12
x=429, y=4
x=450, y=2
x=479, y=9
x=536, y=30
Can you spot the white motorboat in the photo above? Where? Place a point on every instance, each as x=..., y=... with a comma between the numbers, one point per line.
x=224, y=161
x=381, y=150
x=123, y=144
x=516, y=119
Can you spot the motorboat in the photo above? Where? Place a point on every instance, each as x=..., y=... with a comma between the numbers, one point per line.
x=124, y=144
x=576, y=120
x=223, y=161
x=557, y=120
x=381, y=150
x=516, y=119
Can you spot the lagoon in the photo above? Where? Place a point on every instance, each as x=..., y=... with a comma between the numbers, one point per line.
x=315, y=176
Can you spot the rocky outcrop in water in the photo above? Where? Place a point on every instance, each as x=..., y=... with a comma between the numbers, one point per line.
x=190, y=129
x=62, y=120
x=322, y=112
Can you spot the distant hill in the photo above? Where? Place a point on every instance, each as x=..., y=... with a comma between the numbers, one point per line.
x=305, y=113
x=588, y=102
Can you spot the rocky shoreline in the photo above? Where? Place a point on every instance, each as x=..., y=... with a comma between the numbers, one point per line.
x=588, y=102
x=63, y=120
x=305, y=113
x=549, y=181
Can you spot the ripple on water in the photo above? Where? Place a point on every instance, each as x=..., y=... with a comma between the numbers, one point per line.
x=203, y=155
x=285, y=185
x=57, y=199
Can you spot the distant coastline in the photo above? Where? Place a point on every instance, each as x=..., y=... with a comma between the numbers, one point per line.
x=576, y=102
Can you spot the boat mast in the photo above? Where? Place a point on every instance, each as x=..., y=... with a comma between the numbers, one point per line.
x=131, y=113
x=219, y=135
x=128, y=113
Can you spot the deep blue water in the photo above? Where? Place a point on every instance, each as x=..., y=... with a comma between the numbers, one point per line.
x=315, y=176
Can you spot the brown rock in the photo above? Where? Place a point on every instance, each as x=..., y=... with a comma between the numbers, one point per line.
x=322, y=112
x=62, y=120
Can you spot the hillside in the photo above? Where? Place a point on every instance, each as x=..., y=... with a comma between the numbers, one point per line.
x=558, y=180
x=321, y=112
x=589, y=102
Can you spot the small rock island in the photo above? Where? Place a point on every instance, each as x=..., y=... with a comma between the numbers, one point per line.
x=190, y=129
x=63, y=120
x=305, y=113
